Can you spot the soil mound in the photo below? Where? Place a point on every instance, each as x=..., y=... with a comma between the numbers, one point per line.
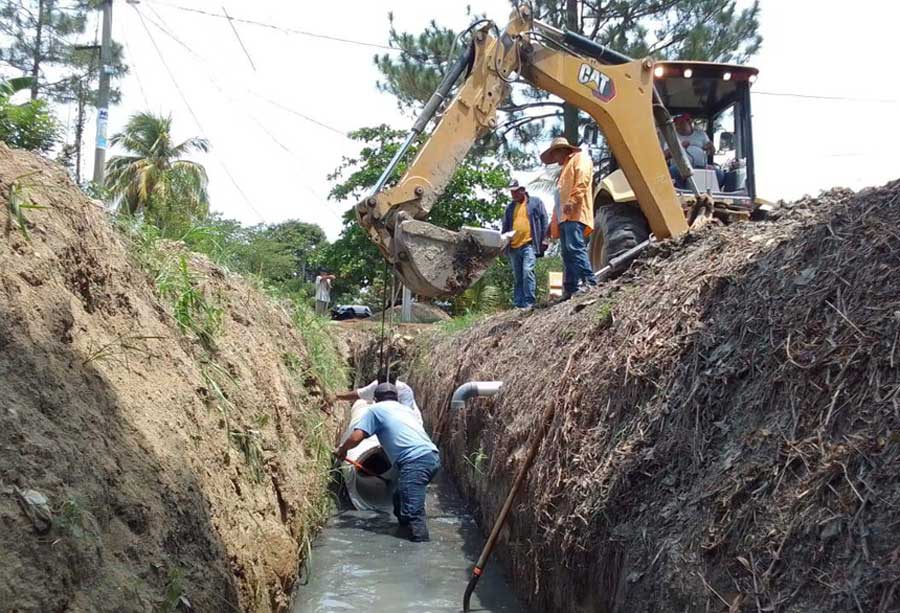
x=726, y=434
x=152, y=454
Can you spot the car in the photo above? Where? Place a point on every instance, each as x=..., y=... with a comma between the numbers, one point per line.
x=350, y=311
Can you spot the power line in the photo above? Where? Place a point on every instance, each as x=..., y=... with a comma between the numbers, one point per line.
x=283, y=29
x=238, y=37
x=191, y=111
x=137, y=73
x=167, y=30
x=833, y=98
x=299, y=114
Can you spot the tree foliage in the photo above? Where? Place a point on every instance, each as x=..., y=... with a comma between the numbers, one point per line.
x=153, y=178
x=30, y=125
x=472, y=197
x=41, y=38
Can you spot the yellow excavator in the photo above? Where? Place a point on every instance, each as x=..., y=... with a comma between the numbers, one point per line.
x=636, y=199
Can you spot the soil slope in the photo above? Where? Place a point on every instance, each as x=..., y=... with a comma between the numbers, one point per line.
x=726, y=433
x=142, y=466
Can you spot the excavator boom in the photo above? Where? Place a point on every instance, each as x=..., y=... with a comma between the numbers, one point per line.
x=616, y=91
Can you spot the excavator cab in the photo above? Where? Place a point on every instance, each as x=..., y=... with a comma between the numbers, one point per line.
x=717, y=99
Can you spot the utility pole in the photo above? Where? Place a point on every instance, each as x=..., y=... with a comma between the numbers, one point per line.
x=103, y=94
x=406, y=309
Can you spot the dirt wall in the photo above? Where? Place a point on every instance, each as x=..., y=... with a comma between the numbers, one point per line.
x=726, y=426
x=144, y=466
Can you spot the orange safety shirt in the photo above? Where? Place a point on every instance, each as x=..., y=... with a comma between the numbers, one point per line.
x=576, y=188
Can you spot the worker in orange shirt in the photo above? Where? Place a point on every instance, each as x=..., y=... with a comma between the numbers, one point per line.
x=573, y=217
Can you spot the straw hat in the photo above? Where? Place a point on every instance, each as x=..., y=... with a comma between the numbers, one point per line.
x=559, y=142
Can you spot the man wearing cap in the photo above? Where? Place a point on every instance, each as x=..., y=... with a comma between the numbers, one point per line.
x=573, y=217
x=408, y=448
x=526, y=217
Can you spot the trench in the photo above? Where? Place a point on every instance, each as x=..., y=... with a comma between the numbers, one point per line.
x=360, y=561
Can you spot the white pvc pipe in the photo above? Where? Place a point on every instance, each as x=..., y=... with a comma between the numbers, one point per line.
x=474, y=389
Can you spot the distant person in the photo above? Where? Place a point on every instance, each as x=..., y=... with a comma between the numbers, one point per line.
x=323, y=292
x=405, y=394
x=526, y=217
x=573, y=217
x=408, y=447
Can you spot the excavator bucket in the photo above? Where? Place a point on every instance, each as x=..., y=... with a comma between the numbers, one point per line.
x=434, y=262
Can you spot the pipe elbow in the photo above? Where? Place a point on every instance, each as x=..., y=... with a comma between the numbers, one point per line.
x=474, y=389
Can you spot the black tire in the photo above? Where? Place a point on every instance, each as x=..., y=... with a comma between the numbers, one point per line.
x=618, y=226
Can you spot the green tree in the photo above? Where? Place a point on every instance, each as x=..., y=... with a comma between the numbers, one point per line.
x=472, y=197
x=710, y=30
x=153, y=178
x=30, y=125
x=40, y=35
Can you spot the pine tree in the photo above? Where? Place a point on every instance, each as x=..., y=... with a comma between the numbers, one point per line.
x=40, y=33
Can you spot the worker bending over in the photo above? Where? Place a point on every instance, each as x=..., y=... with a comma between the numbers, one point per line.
x=408, y=447
x=405, y=394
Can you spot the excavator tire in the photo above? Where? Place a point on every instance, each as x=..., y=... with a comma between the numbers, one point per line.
x=618, y=226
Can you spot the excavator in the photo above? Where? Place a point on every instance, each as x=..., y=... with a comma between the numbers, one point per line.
x=636, y=199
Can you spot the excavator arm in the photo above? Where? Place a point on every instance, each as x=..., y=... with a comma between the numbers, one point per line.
x=616, y=91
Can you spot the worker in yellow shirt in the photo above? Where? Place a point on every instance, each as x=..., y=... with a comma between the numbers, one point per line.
x=573, y=215
x=527, y=218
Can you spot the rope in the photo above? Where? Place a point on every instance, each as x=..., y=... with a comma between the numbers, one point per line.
x=383, y=313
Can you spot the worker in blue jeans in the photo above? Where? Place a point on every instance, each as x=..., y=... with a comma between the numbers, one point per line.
x=408, y=447
x=573, y=215
x=526, y=218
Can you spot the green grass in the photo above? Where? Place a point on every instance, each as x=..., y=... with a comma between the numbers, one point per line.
x=174, y=598
x=118, y=349
x=476, y=460
x=603, y=317
x=325, y=362
x=195, y=313
x=458, y=324
x=18, y=201
x=250, y=442
x=213, y=375
x=72, y=519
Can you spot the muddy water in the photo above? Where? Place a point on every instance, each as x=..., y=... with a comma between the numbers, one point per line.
x=359, y=564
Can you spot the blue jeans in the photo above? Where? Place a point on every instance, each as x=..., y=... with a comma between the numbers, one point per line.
x=409, y=497
x=576, y=266
x=522, y=262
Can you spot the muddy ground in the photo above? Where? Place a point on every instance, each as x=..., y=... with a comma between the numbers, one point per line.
x=724, y=422
x=144, y=466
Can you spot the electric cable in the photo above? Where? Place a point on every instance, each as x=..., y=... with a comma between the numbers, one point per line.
x=193, y=114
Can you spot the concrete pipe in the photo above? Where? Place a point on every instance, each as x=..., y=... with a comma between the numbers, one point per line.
x=368, y=492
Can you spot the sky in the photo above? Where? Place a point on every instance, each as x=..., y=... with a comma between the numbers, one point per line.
x=277, y=114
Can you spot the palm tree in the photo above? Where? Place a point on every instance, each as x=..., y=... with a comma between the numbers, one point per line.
x=153, y=178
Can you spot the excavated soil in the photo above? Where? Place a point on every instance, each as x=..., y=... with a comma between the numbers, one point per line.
x=140, y=471
x=726, y=425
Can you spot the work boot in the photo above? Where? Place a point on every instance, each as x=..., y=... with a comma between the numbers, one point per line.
x=419, y=537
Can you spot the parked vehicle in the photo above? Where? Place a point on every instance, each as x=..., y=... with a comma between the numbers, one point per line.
x=350, y=311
